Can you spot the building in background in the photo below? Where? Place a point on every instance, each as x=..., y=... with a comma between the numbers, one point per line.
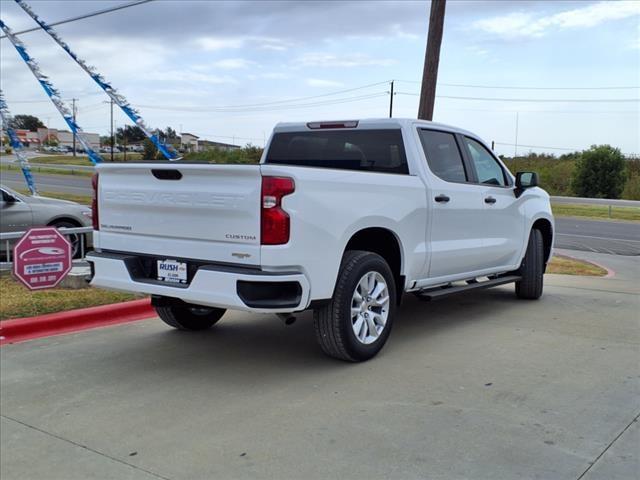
x=64, y=138
x=189, y=142
x=192, y=143
x=209, y=145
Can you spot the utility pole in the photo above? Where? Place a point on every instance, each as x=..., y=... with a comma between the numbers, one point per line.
x=73, y=102
x=391, y=101
x=112, y=139
x=431, y=60
x=515, y=147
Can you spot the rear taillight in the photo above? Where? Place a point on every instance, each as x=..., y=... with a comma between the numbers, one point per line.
x=94, y=202
x=275, y=222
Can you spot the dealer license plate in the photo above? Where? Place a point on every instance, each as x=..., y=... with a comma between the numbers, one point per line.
x=172, y=271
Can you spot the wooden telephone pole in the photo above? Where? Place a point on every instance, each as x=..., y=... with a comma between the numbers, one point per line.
x=431, y=60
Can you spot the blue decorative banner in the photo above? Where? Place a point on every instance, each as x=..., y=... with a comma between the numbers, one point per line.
x=52, y=92
x=166, y=150
x=17, y=146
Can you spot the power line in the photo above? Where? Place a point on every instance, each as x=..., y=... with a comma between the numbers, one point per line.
x=524, y=88
x=226, y=136
x=92, y=94
x=241, y=108
x=275, y=102
x=87, y=15
x=604, y=112
x=538, y=146
x=534, y=100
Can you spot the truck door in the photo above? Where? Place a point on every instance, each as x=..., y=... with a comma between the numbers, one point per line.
x=503, y=216
x=457, y=229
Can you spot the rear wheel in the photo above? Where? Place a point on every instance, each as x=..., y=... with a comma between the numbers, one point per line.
x=189, y=317
x=356, y=323
x=532, y=268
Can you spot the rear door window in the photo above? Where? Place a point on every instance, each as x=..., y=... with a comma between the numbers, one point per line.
x=365, y=150
x=443, y=155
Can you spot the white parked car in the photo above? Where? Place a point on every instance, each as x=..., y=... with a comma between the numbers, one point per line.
x=339, y=217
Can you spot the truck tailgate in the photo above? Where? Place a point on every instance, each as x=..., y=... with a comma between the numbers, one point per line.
x=199, y=211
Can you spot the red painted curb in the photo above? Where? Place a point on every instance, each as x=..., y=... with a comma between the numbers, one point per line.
x=22, y=329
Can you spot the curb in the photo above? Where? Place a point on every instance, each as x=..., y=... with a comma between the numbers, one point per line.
x=29, y=328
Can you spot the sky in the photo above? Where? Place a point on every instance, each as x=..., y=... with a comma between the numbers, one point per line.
x=229, y=71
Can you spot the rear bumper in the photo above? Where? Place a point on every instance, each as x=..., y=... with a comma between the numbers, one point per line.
x=235, y=288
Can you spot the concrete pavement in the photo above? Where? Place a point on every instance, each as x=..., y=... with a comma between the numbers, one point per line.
x=479, y=386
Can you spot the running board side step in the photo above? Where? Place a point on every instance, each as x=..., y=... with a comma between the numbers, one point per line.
x=436, y=293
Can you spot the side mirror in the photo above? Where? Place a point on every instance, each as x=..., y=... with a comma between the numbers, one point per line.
x=525, y=180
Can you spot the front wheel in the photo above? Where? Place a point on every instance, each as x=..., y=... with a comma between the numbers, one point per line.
x=189, y=317
x=532, y=268
x=356, y=323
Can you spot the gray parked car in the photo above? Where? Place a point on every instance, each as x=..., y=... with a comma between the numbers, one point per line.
x=20, y=212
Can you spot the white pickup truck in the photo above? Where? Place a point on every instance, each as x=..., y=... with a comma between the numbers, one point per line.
x=339, y=217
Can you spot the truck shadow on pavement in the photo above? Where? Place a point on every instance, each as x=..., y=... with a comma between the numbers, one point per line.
x=261, y=344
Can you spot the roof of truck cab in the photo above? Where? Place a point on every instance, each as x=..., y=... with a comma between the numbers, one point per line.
x=371, y=123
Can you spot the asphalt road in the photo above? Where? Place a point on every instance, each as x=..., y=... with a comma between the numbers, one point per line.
x=612, y=237
x=478, y=386
x=77, y=185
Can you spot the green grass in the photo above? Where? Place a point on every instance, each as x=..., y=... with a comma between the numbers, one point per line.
x=17, y=301
x=570, y=266
x=53, y=171
x=82, y=199
x=82, y=160
x=595, y=211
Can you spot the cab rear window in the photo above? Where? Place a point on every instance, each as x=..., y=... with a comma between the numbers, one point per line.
x=364, y=150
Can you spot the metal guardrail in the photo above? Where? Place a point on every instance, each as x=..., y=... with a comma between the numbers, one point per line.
x=596, y=201
x=8, y=239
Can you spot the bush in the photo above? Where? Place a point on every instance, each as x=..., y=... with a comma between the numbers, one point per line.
x=150, y=151
x=555, y=174
x=632, y=187
x=600, y=173
x=249, y=154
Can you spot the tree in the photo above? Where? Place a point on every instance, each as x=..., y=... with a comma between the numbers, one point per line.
x=169, y=135
x=26, y=122
x=150, y=151
x=131, y=133
x=600, y=173
x=252, y=152
x=105, y=140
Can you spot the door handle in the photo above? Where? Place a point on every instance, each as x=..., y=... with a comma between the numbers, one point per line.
x=490, y=200
x=442, y=199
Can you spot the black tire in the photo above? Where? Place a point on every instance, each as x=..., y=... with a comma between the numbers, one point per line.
x=532, y=268
x=190, y=317
x=333, y=322
x=74, y=239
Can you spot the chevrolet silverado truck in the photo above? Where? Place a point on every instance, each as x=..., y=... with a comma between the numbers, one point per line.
x=339, y=217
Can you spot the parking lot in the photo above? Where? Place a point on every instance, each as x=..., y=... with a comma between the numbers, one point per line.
x=475, y=386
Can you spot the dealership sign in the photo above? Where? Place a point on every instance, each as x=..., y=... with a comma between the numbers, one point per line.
x=41, y=258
